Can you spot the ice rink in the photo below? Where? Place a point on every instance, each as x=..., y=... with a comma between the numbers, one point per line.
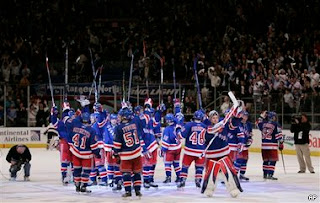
x=45, y=184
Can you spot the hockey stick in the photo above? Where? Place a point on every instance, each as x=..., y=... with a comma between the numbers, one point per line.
x=174, y=79
x=66, y=76
x=161, y=76
x=284, y=167
x=93, y=84
x=94, y=73
x=130, y=76
x=99, y=85
x=224, y=121
x=50, y=84
x=197, y=81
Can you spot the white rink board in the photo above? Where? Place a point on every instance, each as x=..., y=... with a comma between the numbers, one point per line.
x=289, y=147
x=45, y=185
x=19, y=135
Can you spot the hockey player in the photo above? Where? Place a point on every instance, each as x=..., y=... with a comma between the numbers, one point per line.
x=217, y=156
x=126, y=147
x=83, y=146
x=272, y=140
x=235, y=135
x=150, y=144
x=114, y=174
x=65, y=154
x=171, y=148
x=194, y=133
x=99, y=125
x=242, y=157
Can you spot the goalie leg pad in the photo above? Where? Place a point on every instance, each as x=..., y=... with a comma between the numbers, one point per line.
x=212, y=169
x=231, y=179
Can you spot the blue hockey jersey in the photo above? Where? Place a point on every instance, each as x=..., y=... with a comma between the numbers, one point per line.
x=82, y=139
x=169, y=139
x=126, y=140
x=247, y=130
x=108, y=135
x=271, y=133
x=148, y=125
x=194, y=133
x=235, y=134
x=219, y=146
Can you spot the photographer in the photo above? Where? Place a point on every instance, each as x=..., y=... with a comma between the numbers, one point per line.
x=301, y=127
x=18, y=155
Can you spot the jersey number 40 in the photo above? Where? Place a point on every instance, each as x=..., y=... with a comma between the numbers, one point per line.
x=197, y=138
x=131, y=138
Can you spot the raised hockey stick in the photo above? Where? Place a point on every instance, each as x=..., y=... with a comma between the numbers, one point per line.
x=174, y=79
x=130, y=76
x=161, y=76
x=94, y=73
x=195, y=61
x=50, y=84
x=99, y=85
x=216, y=127
x=66, y=76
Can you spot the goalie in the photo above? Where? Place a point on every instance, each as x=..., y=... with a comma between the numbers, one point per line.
x=216, y=153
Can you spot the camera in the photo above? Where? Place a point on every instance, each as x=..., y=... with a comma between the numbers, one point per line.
x=294, y=118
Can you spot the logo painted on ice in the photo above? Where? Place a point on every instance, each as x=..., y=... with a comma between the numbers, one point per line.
x=35, y=135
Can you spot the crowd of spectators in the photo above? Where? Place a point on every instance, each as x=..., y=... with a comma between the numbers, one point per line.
x=259, y=49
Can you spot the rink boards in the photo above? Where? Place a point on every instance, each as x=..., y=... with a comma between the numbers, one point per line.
x=35, y=138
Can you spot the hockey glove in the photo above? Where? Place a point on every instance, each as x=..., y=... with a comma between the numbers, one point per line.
x=117, y=157
x=249, y=142
x=147, y=154
x=240, y=147
x=281, y=146
x=161, y=153
x=54, y=111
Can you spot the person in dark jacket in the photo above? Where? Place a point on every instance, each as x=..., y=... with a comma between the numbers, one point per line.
x=19, y=155
x=301, y=127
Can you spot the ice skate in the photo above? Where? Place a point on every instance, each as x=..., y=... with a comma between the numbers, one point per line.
x=77, y=187
x=84, y=190
x=117, y=187
x=167, y=180
x=138, y=194
x=92, y=183
x=26, y=178
x=146, y=185
x=198, y=183
x=270, y=177
x=12, y=179
x=152, y=184
x=126, y=195
x=244, y=178
x=181, y=184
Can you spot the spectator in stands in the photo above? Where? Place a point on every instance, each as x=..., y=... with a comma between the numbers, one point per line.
x=225, y=105
x=42, y=115
x=11, y=116
x=22, y=116
x=32, y=112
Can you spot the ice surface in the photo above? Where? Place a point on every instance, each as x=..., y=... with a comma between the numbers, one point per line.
x=45, y=184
